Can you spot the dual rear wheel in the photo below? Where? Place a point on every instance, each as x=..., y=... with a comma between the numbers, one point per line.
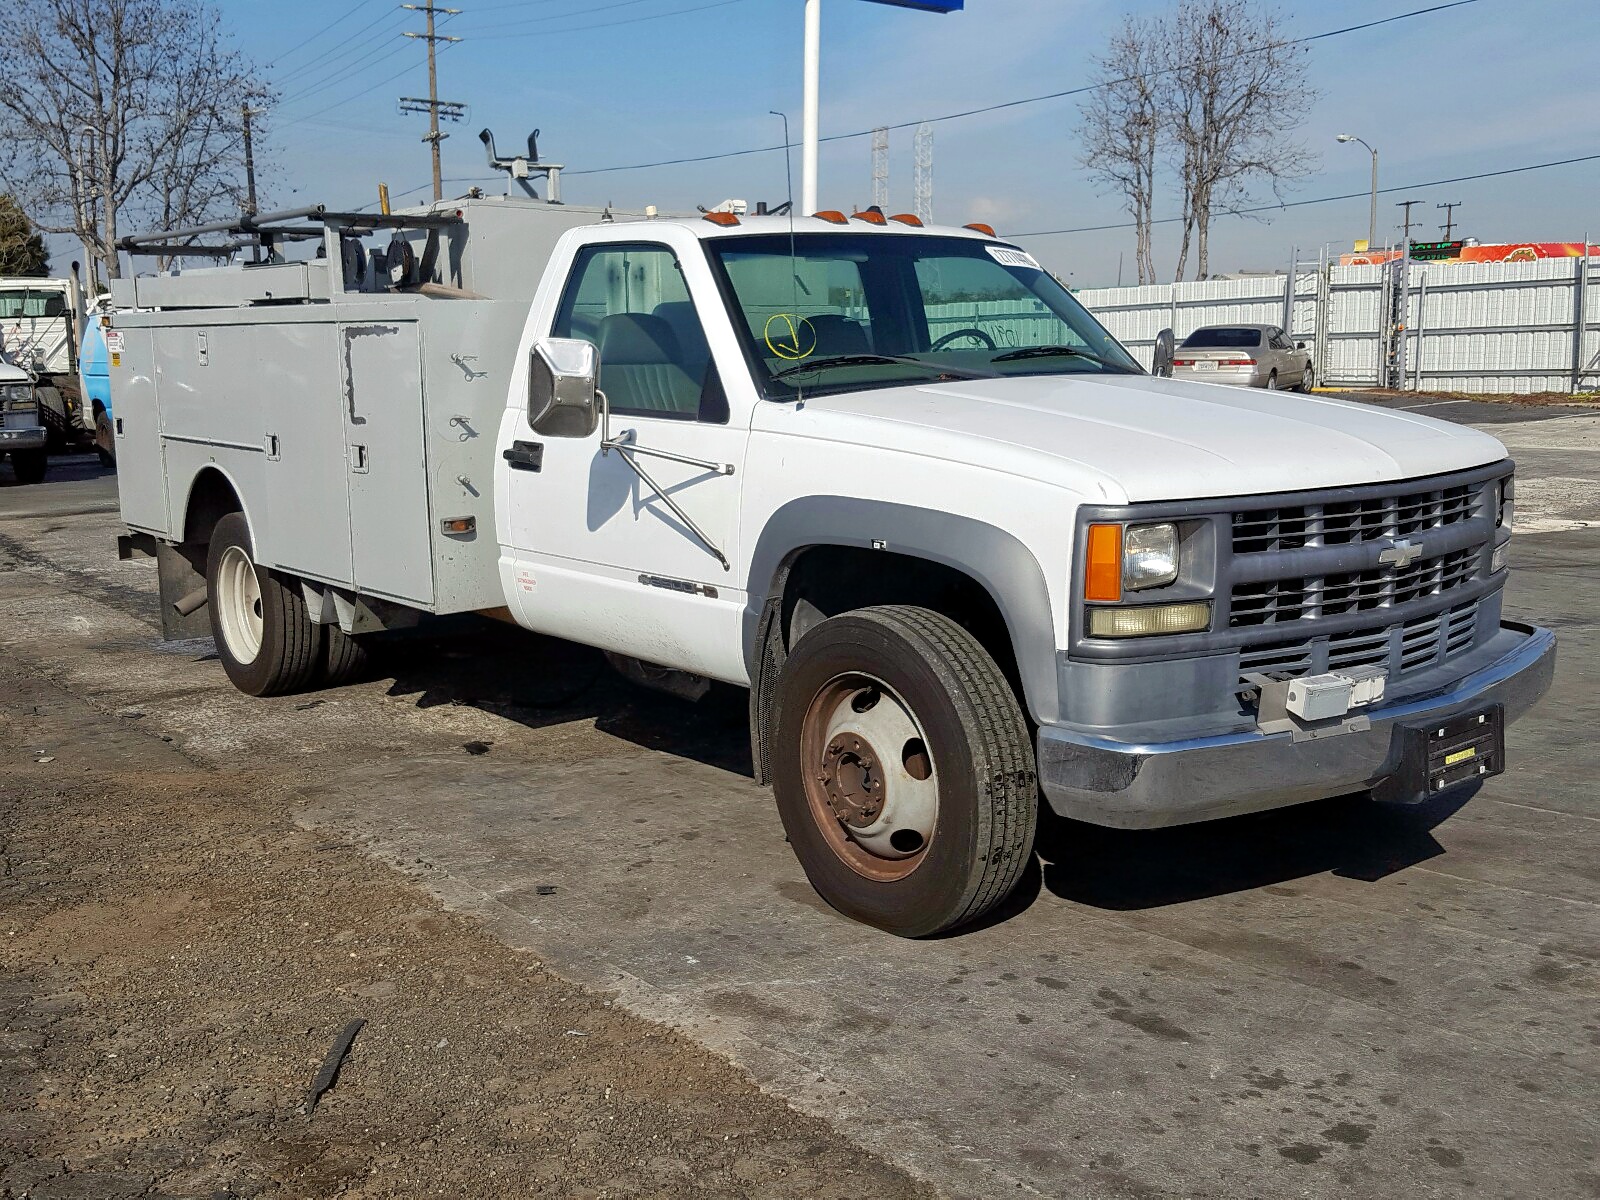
x=266, y=639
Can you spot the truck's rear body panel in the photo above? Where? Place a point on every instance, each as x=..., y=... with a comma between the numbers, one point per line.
x=351, y=419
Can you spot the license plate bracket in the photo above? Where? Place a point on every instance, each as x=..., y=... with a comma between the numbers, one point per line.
x=1442, y=754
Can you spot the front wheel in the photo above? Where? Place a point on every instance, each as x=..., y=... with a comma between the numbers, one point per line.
x=105, y=438
x=1308, y=381
x=903, y=770
x=30, y=465
x=265, y=638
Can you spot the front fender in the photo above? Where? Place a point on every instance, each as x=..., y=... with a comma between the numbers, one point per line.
x=996, y=559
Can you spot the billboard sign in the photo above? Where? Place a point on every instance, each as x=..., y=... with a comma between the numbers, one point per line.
x=938, y=6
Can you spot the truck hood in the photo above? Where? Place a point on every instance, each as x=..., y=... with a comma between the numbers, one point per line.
x=11, y=374
x=1126, y=439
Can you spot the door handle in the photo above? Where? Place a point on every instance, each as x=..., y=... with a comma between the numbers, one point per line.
x=524, y=456
x=358, y=459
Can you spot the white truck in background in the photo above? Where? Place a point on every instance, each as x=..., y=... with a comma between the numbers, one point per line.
x=44, y=408
x=893, y=479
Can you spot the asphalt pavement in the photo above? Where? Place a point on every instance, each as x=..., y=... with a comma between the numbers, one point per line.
x=1336, y=1000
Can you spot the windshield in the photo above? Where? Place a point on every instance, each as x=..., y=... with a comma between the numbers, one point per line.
x=847, y=311
x=1218, y=338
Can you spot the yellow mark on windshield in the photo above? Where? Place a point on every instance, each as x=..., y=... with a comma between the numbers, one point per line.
x=789, y=336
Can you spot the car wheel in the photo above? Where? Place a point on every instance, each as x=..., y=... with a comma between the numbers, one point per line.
x=1308, y=381
x=266, y=640
x=903, y=770
x=1272, y=382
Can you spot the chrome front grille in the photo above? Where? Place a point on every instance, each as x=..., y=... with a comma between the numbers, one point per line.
x=1271, y=601
x=1308, y=561
x=1399, y=649
x=1308, y=590
x=1342, y=522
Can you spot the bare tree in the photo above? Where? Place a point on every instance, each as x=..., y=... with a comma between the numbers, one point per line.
x=119, y=109
x=1232, y=93
x=1122, y=122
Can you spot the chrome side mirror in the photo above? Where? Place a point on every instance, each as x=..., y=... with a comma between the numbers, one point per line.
x=563, y=400
x=1166, y=348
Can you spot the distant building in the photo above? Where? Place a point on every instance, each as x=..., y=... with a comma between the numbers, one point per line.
x=1473, y=251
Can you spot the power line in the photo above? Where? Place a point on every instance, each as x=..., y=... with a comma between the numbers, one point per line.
x=1261, y=208
x=678, y=12
x=578, y=12
x=347, y=14
x=362, y=94
x=1005, y=104
x=319, y=62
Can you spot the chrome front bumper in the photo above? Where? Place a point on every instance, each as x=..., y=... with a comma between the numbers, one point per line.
x=1100, y=780
x=28, y=437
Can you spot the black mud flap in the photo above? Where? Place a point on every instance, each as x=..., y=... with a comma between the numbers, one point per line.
x=1442, y=754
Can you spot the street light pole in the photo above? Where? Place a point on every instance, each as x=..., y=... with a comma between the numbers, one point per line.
x=1372, y=220
x=809, y=107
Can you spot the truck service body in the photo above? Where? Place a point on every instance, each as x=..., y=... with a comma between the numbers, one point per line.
x=891, y=478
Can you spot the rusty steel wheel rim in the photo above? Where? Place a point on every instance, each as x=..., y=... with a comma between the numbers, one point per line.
x=868, y=774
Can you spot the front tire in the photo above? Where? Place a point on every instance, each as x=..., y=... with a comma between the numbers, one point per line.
x=265, y=638
x=105, y=438
x=30, y=465
x=903, y=770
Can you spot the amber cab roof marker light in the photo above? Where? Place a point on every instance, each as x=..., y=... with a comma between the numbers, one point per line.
x=722, y=218
x=908, y=219
x=980, y=227
x=871, y=218
x=1102, y=564
x=832, y=215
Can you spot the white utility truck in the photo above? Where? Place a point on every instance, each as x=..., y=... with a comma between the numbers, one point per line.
x=893, y=479
x=41, y=332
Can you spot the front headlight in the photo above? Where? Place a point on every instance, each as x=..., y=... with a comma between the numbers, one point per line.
x=1149, y=556
x=16, y=395
x=1497, y=560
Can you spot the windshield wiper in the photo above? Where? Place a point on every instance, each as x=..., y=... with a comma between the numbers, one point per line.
x=1059, y=352
x=868, y=360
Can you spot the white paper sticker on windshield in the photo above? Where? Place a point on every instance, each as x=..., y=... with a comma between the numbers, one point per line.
x=1008, y=256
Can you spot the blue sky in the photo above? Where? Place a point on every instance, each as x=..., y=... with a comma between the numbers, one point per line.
x=1496, y=84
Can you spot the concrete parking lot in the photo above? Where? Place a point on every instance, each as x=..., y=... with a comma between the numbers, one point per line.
x=1336, y=1000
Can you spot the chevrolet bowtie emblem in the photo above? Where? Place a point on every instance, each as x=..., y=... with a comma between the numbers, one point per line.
x=1400, y=554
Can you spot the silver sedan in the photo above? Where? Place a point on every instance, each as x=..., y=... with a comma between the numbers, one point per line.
x=1246, y=355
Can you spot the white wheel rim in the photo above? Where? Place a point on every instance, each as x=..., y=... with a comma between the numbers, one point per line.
x=238, y=602
x=879, y=818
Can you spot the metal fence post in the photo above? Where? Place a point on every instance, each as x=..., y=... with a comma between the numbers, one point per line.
x=1580, y=315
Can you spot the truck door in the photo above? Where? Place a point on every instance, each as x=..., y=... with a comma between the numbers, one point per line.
x=598, y=555
x=384, y=459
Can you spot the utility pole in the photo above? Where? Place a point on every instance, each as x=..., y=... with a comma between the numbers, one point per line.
x=1408, y=205
x=1449, y=217
x=433, y=105
x=247, y=112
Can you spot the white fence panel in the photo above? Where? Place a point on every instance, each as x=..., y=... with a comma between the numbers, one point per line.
x=1480, y=327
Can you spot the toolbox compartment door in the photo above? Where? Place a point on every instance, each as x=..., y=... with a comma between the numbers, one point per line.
x=306, y=526
x=385, y=462
x=136, y=429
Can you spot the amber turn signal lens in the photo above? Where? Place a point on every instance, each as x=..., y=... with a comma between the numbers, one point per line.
x=1102, y=576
